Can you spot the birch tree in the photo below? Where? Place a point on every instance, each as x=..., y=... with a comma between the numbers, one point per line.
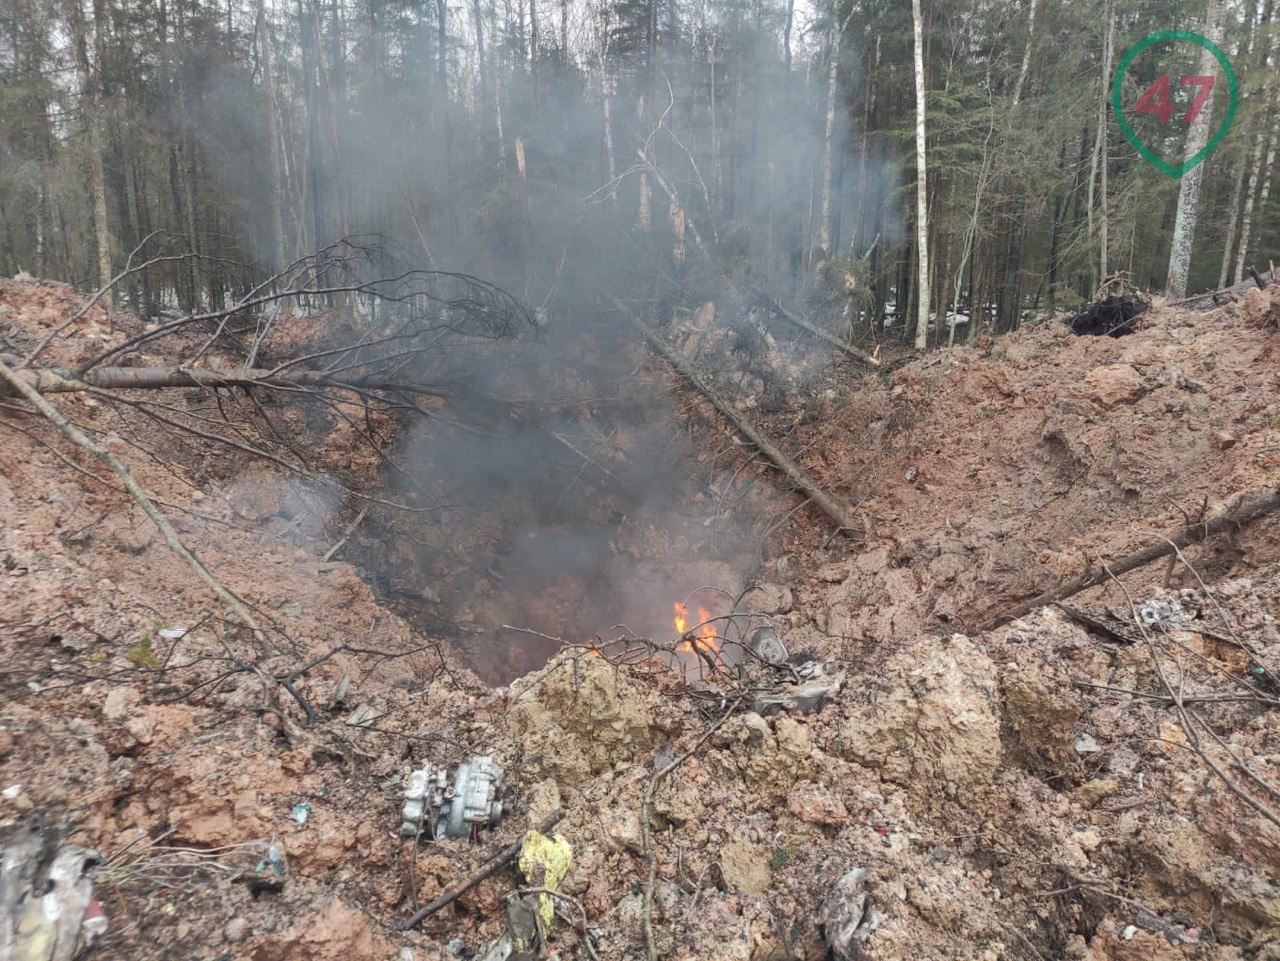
x=1184, y=225
x=922, y=194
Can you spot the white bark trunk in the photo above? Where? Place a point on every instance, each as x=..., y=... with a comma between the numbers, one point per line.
x=824, y=217
x=922, y=194
x=1184, y=225
x=610, y=164
x=1026, y=54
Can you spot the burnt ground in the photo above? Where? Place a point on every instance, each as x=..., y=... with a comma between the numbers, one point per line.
x=1024, y=792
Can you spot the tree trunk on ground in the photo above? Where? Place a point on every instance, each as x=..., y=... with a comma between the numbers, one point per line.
x=922, y=195
x=1184, y=226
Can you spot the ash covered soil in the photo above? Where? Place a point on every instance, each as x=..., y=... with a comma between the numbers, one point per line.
x=1027, y=791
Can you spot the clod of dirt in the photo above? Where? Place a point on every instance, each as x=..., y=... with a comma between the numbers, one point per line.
x=1113, y=385
x=745, y=866
x=1040, y=716
x=335, y=933
x=578, y=717
x=935, y=718
x=1261, y=308
x=767, y=761
x=1112, y=316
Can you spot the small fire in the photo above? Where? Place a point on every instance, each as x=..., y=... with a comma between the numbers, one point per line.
x=705, y=631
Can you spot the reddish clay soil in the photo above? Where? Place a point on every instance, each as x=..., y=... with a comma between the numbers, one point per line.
x=1027, y=792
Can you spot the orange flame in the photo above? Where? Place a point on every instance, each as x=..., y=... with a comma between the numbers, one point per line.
x=706, y=631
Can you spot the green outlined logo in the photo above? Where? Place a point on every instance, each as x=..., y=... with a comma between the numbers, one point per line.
x=1158, y=101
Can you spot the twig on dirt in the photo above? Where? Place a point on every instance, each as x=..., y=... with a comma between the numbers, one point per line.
x=1187, y=699
x=287, y=680
x=1241, y=512
x=562, y=439
x=346, y=535
x=82, y=440
x=487, y=870
x=646, y=828
x=575, y=903
x=1226, y=621
x=1184, y=719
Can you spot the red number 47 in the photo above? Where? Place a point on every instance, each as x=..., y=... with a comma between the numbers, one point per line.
x=1156, y=100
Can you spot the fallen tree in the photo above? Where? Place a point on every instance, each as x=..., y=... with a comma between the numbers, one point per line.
x=65, y=380
x=798, y=477
x=1242, y=511
x=849, y=351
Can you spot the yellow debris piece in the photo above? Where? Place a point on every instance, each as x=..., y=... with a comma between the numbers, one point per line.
x=544, y=861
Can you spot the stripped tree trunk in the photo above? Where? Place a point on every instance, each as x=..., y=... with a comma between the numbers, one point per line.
x=922, y=194
x=1184, y=225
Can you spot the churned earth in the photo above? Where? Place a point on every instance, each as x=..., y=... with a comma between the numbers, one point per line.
x=1072, y=784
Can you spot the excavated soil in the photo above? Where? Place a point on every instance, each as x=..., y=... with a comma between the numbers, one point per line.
x=1023, y=792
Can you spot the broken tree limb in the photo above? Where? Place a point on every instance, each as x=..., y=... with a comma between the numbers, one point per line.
x=794, y=472
x=1241, y=512
x=82, y=440
x=848, y=351
x=67, y=380
x=346, y=535
x=1210, y=297
x=488, y=869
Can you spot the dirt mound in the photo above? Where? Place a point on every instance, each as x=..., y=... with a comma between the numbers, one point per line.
x=987, y=474
x=1035, y=790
